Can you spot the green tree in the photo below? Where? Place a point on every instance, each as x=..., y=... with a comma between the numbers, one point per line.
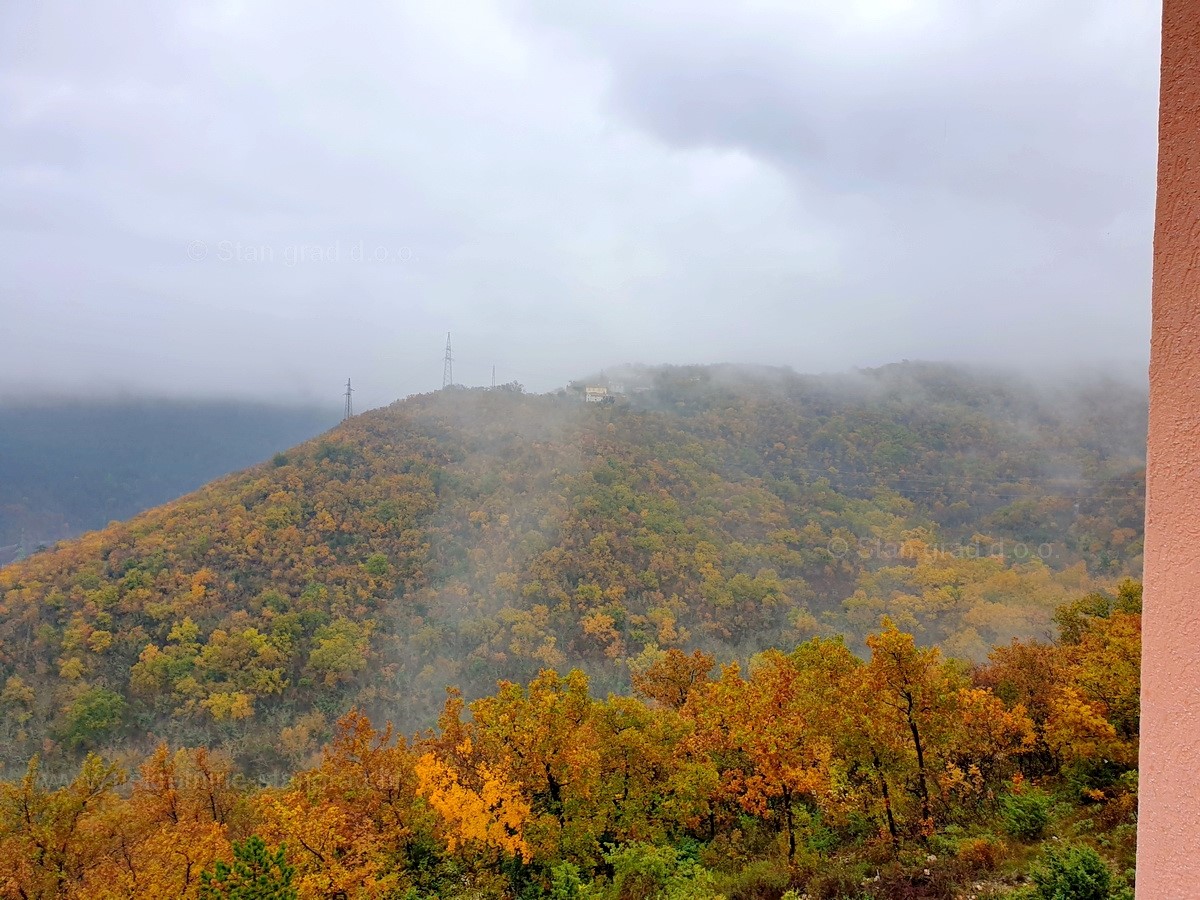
x=1072, y=873
x=340, y=649
x=1026, y=814
x=256, y=874
x=661, y=873
x=93, y=715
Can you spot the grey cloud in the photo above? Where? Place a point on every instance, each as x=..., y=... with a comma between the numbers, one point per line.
x=1032, y=104
x=992, y=158
x=565, y=187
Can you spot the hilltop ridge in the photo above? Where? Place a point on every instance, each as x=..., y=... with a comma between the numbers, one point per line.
x=469, y=535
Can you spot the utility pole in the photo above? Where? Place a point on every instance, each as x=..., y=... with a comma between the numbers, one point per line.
x=448, y=365
x=349, y=401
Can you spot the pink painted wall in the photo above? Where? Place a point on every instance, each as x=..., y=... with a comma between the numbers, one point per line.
x=1169, y=814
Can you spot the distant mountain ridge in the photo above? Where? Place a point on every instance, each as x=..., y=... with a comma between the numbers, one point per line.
x=465, y=536
x=70, y=467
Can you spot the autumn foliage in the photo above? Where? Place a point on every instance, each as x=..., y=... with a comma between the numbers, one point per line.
x=467, y=537
x=734, y=635
x=804, y=759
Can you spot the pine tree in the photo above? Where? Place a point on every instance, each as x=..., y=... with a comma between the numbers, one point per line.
x=256, y=874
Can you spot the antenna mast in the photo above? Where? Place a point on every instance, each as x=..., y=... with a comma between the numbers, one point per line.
x=349, y=401
x=448, y=365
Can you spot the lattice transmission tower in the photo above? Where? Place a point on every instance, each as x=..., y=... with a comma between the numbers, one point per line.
x=349, y=401
x=448, y=365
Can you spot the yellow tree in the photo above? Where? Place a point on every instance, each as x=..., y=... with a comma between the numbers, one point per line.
x=1106, y=668
x=542, y=737
x=930, y=730
x=1095, y=714
x=671, y=677
x=771, y=733
x=643, y=795
x=479, y=805
x=175, y=823
x=1033, y=676
x=348, y=822
x=50, y=841
x=911, y=688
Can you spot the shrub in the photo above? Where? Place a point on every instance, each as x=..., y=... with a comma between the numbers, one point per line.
x=1025, y=814
x=762, y=879
x=1072, y=873
x=837, y=880
x=643, y=871
x=1119, y=810
x=979, y=854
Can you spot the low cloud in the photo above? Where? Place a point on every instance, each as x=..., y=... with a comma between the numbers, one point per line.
x=264, y=199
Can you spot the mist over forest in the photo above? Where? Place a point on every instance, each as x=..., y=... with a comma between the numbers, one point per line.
x=536, y=450
x=69, y=465
x=617, y=536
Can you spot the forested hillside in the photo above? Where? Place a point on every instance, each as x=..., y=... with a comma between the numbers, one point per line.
x=462, y=537
x=67, y=467
x=812, y=774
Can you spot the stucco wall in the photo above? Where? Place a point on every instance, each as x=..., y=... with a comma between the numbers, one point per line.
x=1169, y=814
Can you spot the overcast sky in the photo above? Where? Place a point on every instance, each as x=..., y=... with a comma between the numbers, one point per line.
x=266, y=197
